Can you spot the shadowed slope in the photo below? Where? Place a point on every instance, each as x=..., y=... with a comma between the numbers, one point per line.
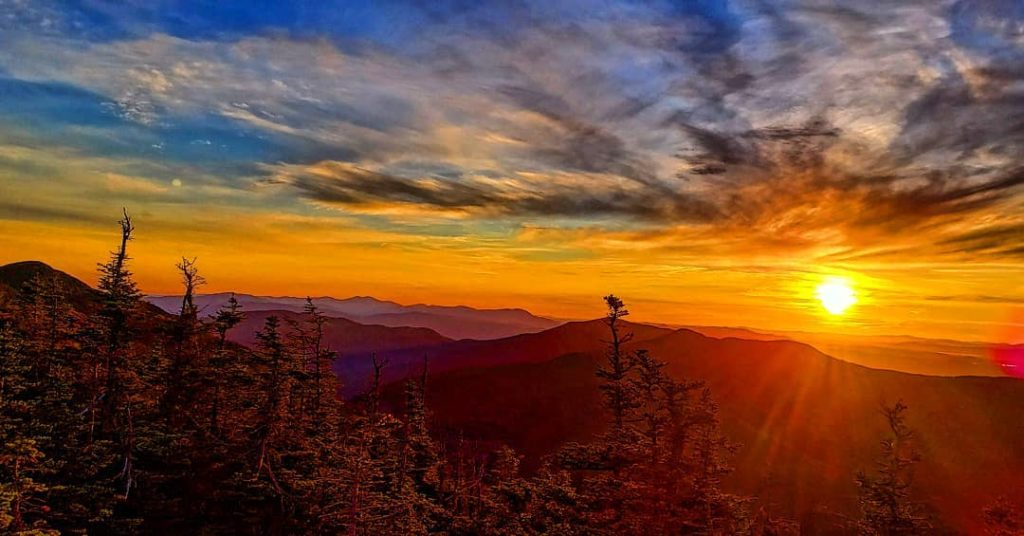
x=354, y=342
x=574, y=337
x=806, y=422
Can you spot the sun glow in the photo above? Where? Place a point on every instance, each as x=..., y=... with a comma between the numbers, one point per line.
x=836, y=295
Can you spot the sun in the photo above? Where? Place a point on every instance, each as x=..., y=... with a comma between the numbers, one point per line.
x=836, y=295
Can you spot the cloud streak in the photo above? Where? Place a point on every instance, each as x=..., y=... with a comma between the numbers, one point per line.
x=584, y=196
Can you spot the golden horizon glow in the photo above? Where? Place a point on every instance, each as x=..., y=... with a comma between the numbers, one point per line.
x=299, y=256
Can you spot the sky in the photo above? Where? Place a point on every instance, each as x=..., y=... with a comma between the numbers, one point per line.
x=711, y=162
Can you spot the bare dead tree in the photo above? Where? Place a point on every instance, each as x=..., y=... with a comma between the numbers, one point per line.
x=190, y=280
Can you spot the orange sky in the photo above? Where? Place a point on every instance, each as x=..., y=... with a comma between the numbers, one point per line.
x=305, y=256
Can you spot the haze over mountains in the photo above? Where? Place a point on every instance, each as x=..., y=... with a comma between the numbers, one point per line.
x=933, y=357
x=455, y=322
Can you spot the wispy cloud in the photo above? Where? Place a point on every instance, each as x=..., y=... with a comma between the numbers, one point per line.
x=568, y=195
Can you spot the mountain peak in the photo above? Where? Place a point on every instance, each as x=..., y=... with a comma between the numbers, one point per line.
x=16, y=274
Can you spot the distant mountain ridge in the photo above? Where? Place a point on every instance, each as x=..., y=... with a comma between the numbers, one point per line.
x=354, y=344
x=908, y=354
x=454, y=322
x=933, y=357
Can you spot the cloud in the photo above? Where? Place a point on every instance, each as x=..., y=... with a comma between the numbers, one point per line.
x=586, y=196
x=133, y=185
x=996, y=240
x=804, y=126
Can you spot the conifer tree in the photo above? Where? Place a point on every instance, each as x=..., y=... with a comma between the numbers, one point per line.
x=274, y=382
x=715, y=511
x=620, y=395
x=372, y=396
x=556, y=505
x=417, y=472
x=21, y=496
x=47, y=321
x=120, y=299
x=319, y=360
x=503, y=496
x=649, y=382
x=183, y=386
x=886, y=502
x=659, y=467
x=223, y=367
x=681, y=416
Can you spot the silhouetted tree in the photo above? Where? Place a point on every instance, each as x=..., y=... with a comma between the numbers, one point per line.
x=681, y=415
x=418, y=460
x=120, y=300
x=183, y=384
x=887, y=507
x=659, y=467
x=376, y=382
x=320, y=358
x=223, y=366
x=621, y=396
x=716, y=512
x=649, y=382
x=274, y=382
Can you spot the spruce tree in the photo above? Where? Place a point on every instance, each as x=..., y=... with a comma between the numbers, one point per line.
x=319, y=358
x=120, y=298
x=886, y=501
x=649, y=383
x=223, y=367
x=22, y=506
x=621, y=397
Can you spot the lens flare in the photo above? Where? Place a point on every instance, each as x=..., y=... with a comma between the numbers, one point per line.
x=1010, y=357
x=836, y=295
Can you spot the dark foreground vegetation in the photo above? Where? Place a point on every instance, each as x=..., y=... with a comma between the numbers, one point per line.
x=116, y=418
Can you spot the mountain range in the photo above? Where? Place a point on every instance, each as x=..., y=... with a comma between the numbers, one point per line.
x=933, y=357
x=455, y=322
